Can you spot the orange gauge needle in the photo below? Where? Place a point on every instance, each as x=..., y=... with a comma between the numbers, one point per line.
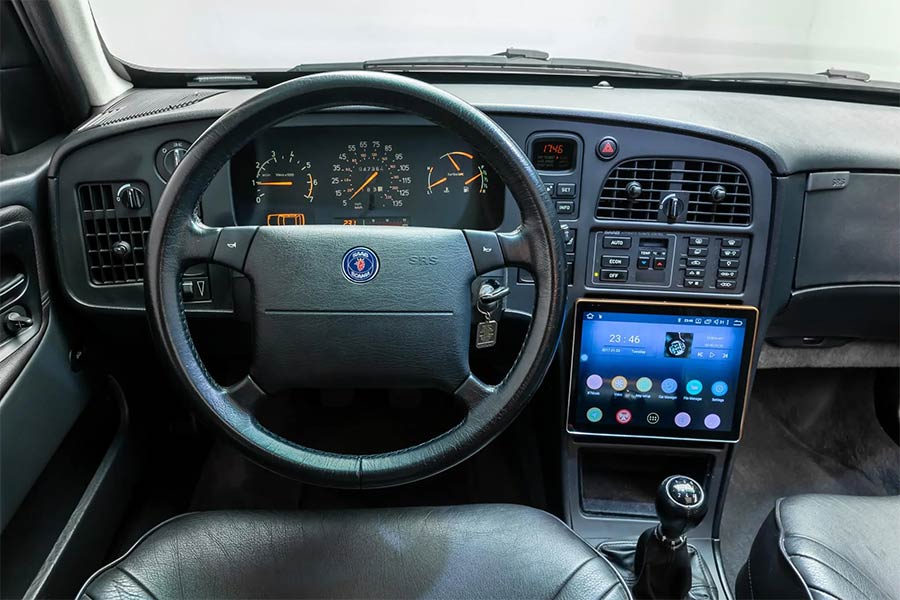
x=365, y=183
x=471, y=179
x=456, y=166
x=275, y=183
x=438, y=182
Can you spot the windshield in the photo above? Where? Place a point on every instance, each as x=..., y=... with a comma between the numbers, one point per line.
x=692, y=36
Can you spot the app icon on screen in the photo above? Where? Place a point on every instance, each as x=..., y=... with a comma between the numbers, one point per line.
x=712, y=421
x=594, y=414
x=678, y=345
x=669, y=385
x=693, y=387
x=653, y=418
x=644, y=384
x=682, y=419
x=619, y=383
x=594, y=382
x=719, y=388
x=623, y=416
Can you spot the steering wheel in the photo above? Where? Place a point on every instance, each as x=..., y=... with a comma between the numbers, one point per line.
x=337, y=306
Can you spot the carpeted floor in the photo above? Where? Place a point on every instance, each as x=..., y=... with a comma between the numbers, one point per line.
x=807, y=431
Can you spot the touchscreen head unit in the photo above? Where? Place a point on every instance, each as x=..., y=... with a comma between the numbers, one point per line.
x=661, y=370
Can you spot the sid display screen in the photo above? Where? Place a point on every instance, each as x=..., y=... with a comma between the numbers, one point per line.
x=660, y=370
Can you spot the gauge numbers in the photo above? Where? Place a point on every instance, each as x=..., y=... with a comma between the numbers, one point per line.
x=284, y=178
x=370, y=175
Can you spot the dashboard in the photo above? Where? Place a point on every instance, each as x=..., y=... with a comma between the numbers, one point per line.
x=684, y=196
x=366, y=175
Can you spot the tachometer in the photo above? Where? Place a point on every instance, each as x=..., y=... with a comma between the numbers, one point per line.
x=457, y=171
x=369, y=175
x=284, y=177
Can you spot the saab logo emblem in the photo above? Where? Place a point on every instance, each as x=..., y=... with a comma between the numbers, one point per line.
x=360, y=265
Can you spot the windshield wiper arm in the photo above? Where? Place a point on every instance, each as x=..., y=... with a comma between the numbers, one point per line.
x=829, y=78
x=511, y=60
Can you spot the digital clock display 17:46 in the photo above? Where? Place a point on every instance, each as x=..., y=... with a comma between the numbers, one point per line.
x=553, y=154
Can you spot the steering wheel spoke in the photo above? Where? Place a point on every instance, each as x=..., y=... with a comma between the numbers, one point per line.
x=472, y=391
x=246, y=393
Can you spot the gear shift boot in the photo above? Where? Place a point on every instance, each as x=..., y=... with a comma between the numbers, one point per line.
x=621, y=555
x=661, y=560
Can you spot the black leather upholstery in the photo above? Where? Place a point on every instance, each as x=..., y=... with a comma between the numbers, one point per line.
x=825, y=547
x=479, y=551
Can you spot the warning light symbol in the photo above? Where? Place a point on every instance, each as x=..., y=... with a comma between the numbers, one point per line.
x=607, y=148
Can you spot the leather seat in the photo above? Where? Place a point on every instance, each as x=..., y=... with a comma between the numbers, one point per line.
x=480, y=551
x=823, y=546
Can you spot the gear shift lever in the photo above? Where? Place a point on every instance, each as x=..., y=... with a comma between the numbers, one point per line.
x=661, y=559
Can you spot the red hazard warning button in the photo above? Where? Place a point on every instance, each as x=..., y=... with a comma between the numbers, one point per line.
x=607, y=148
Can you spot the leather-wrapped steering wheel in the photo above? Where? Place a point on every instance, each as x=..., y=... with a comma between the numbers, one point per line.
x=402, y=318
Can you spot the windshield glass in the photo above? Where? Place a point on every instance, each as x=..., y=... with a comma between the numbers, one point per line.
x=692, y=36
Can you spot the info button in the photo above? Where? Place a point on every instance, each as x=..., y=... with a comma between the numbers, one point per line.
x=614, y=261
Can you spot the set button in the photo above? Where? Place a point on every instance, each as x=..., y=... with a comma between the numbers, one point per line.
x=565, y=190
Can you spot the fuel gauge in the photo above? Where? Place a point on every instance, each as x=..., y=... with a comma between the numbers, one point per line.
x=457, y=172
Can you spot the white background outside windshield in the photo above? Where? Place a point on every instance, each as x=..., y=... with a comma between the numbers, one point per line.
x=693, y=36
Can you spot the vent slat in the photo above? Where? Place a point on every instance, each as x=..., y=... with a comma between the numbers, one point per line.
x=691, y=180
x=102, y=227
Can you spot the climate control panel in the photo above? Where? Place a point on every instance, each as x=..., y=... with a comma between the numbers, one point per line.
x=677, y=261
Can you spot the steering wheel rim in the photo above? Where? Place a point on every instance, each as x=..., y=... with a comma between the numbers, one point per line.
x=178, y=239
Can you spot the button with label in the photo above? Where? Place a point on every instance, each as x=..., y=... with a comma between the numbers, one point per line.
x=643, y=263
x=645, y=253
x=565, y=190
x=616, y=242
x=695, y=273
x=693, y=283
x=730, y=253
x=726, y=284
x=728, y=263
x=565, y=207
x=613, y=275
x=607, y=148
x=551, y=188
x=695, y=263
x=732, y=242
x=726, y=274
x=659, y=264
x=698, y=241
x=697, y=251
x=614, y=261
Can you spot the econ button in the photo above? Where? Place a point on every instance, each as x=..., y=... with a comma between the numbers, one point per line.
x=607, y=148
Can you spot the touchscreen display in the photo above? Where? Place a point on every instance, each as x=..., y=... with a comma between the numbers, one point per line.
x=658, y=370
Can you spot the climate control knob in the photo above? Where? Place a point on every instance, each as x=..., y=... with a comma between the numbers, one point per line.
x=672, y=207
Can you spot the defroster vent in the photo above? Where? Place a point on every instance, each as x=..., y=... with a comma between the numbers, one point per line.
x=115, y=227
x=707, y=192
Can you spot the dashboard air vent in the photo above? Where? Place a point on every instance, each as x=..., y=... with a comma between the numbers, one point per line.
x=115, y=234
x=146, y=103
x=713, y=192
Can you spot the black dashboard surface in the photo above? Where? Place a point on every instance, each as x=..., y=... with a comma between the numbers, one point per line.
x=774, y=142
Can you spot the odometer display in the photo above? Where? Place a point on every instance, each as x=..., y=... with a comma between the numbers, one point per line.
x=369, y=175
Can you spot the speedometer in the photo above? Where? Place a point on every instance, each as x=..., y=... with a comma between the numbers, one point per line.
x=369, y=175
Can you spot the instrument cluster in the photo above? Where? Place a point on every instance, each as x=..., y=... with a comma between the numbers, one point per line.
x=361, y=175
